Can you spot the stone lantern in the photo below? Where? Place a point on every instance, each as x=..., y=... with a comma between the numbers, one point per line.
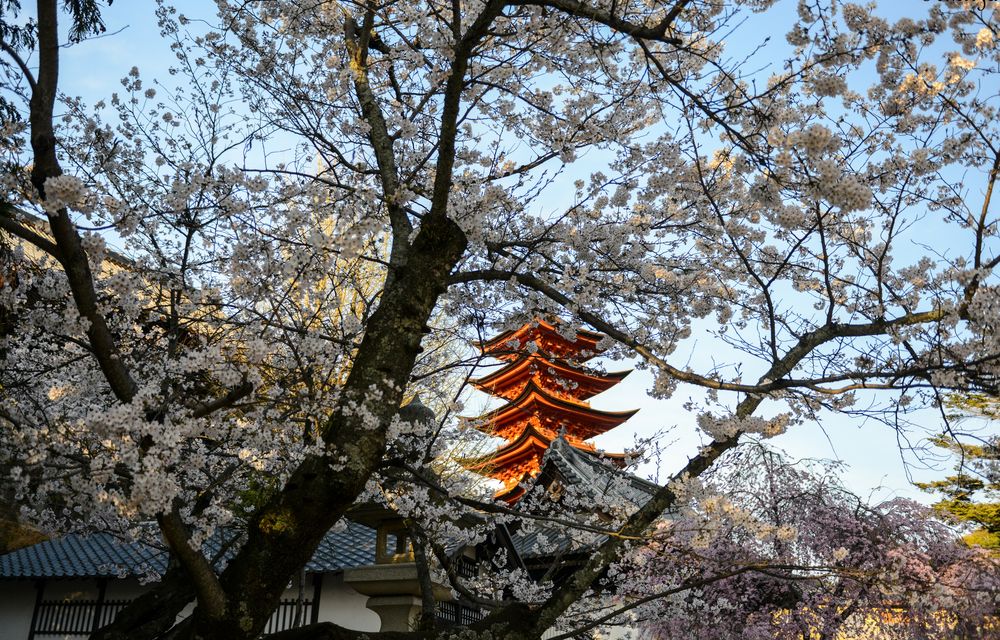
x=392, y=584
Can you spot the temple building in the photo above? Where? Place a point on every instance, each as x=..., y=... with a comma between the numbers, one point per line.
x=547, y=387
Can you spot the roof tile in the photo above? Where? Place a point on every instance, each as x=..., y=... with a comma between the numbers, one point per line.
x=104, y=555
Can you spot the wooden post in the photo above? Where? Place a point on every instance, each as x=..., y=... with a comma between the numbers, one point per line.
x=317, y=591
x=102, y=586
x=40, y=587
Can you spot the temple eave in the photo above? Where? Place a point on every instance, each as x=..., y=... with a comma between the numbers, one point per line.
x=542, y=364
x=553, y=376
x=534, y=399
x=510, y=495
x=552, y=342
x=583, y=424
x=511, y=454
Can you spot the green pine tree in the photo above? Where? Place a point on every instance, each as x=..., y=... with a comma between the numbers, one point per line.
x=972, y=494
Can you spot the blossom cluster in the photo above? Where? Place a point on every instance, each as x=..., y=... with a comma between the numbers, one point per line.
x=65, y=191
x=723, y=428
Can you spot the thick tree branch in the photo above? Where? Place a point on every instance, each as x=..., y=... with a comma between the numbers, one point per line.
x=46, y=165
x=773, y=381
x=330, y=631
x=283, y=534
x=206, y=583
x=234, y=396
x=9, y=224
x=428, y=605
x=665, y=498
x=19, y=61
x=378, y=135
x=155, y=611
x=452, y=104
x=657, y=33
x=583, y=579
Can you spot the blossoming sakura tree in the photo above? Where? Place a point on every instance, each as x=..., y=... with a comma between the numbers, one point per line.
x=337, y=193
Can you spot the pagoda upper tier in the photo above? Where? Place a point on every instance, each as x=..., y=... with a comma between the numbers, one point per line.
x=553, y=375
x=534, y=405
x=546, y=339
x=546, y=388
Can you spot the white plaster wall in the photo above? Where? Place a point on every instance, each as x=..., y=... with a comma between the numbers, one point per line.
x=17, y=600
x=129, y=589
x=185, y=613
x=339, y=603
x=70, y=589
x=342, y=605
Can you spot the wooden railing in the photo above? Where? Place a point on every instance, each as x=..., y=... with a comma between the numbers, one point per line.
x=284, y=616
x=458, y=613
x=77, y=617
x=74, y=617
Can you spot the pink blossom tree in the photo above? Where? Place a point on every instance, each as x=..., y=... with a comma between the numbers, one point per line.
x=772, y=550
x=337, y=189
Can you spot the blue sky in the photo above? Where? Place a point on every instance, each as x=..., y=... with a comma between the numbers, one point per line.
x=93, y=69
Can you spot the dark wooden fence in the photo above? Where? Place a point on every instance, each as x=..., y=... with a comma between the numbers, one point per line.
x=77, y=617
x=284, y=616
x=458, y=613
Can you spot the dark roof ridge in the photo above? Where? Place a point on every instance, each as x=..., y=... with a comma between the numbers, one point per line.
x=563, y=455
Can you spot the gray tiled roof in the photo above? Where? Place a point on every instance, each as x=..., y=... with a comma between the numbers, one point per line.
x=540, y=539
x=590, y=474
x=80, y=556
x=351, y=547
x=102, y=554
x=590, y=478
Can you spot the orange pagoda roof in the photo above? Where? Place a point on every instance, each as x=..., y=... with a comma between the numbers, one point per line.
x=577, y=418
x=511, y=345
x=532, y=440
x=530, y=444
x=555, y=376
x=546, y=389
x=516, y=461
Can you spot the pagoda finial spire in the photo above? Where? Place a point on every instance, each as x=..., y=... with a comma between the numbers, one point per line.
x=547, y=389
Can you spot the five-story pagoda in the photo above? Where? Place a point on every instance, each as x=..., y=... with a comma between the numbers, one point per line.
x=546, y=387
